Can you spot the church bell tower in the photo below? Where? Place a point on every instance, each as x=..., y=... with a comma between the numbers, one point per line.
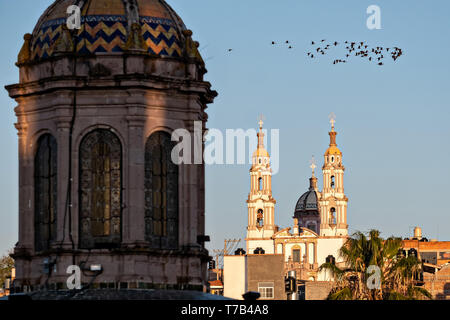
x=260, y=203
x=333, y=203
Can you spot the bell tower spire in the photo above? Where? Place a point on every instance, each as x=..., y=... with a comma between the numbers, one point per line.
x=260, y=203
x=333, y=203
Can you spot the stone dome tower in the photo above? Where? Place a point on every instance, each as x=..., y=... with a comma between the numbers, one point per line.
x=306, y=212
x=96, y=107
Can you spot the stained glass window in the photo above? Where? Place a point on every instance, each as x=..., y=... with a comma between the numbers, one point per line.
x=100, y=190
x=161, y=193
x=45, y=190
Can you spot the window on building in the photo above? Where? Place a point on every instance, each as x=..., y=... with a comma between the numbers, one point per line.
x=100, y=190
x=260, y=184
x=332, y=182
x=296, y=255
x=45, y=192
x=161, y=192
x=266, y=289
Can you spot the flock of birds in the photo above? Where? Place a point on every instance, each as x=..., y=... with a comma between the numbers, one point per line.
x=357, y=49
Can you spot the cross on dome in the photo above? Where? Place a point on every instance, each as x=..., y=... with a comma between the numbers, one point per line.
x=313, y=165
x=261, y=121
x=332, y=118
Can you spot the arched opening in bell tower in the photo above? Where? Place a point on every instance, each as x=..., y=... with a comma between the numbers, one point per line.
x=260, y=218
x=333, y=216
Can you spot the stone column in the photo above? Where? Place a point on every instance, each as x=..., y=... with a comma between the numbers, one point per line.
x=133, y=209
x=26, y=199
x=63, y=136
x=307, y=253
x=315, y=255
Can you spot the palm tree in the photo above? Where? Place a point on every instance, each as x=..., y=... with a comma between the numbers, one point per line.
x=362, y=254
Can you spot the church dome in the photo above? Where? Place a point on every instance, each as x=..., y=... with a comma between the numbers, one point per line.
x=261, y=152
x=106, y=26
x=333, y=151
x=307, y=202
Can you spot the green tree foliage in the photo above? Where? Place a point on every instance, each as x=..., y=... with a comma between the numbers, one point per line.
x=398, y=273
x=6, y=266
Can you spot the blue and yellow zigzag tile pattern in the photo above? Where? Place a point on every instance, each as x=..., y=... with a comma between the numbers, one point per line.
x=104, y=33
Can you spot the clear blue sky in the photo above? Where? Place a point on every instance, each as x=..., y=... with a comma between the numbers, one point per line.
x=393, y=121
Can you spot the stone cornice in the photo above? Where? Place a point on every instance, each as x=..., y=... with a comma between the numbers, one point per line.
x=202, y=88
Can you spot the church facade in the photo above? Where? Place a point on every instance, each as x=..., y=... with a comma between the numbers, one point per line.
x=319, y=221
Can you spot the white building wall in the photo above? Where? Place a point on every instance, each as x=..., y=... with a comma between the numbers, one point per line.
x=267, y=245
x=326, y=247
x=279, y=249
x=234, y=276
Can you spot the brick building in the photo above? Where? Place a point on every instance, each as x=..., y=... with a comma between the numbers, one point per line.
x=435, y=256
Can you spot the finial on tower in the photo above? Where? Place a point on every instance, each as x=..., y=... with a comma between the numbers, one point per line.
x=260, y=134
x=313, y=165
x=332, y=118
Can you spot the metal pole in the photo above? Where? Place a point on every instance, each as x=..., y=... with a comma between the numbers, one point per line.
x=293, y=295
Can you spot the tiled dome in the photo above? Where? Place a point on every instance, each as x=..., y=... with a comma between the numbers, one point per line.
x=106, y=25
x=307, y=202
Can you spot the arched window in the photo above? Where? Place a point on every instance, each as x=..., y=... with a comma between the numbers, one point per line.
x=260, y=218
x=333, y=216
x=260, y=184
x=100, y=190
x=332, y=182
x=161, y=193
x=45, y=192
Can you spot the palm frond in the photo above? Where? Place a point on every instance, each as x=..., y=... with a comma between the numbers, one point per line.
x=393, y=295
x=418, y=292
x=343, y=294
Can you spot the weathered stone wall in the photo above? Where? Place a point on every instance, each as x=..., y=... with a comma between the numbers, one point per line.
x=133, y=96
